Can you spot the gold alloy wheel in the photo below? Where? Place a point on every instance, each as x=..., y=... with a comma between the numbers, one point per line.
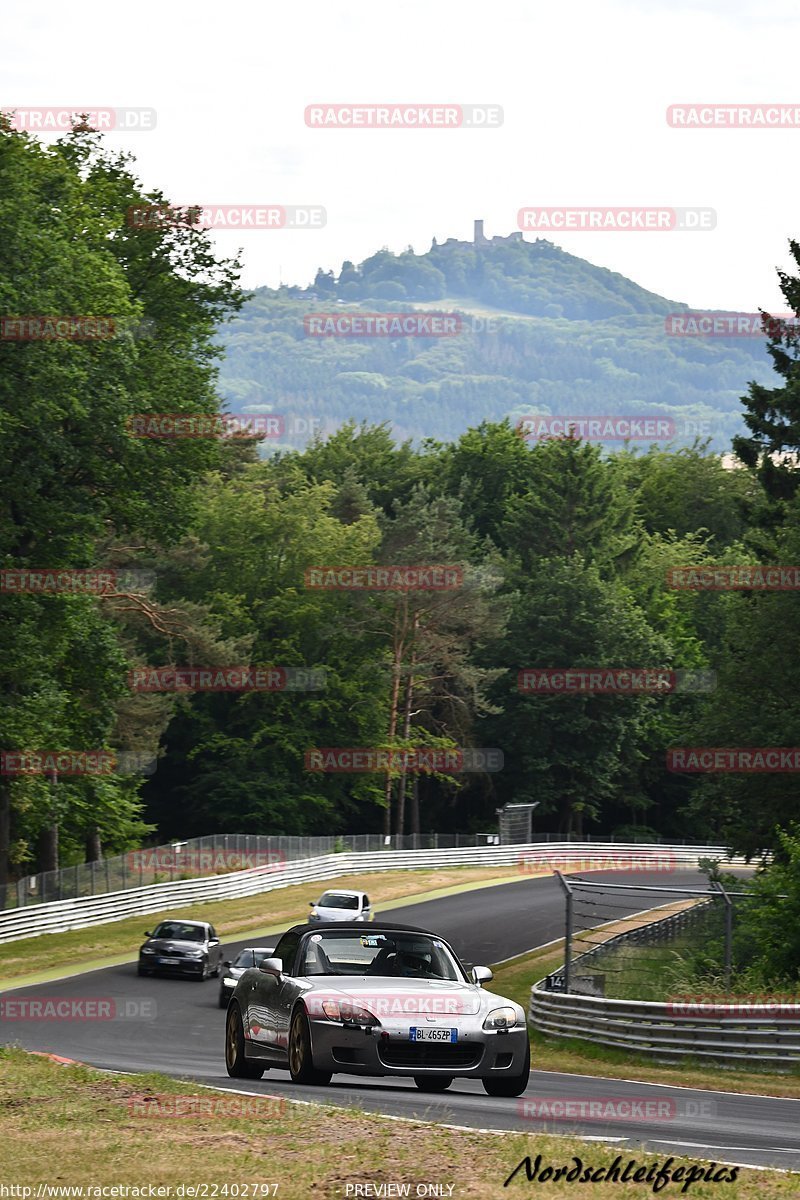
x=231, y=1041
x=296, y=1045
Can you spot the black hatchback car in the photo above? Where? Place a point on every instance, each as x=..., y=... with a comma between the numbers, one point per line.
x=181, y=948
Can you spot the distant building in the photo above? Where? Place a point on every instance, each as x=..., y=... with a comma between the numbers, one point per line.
x=479, y=238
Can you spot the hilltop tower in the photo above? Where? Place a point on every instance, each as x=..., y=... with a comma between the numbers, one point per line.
x=478, y=237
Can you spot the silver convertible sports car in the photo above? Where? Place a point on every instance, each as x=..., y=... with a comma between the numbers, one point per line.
x=374, y=999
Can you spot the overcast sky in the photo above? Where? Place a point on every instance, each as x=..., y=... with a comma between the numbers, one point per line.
x=584, y=89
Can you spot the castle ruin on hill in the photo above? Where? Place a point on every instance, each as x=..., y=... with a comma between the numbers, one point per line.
x=479, y=238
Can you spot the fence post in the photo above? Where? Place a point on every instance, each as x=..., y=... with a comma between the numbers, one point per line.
x=567, y=931
x=728, y=936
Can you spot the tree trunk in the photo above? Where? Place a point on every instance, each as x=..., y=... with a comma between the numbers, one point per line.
x=401, y=789
x=387, y=812
x=48, y=848
x=5, y=837
x=94, y=846
x=415, y=805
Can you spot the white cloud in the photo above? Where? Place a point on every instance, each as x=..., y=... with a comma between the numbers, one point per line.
x=584, y=91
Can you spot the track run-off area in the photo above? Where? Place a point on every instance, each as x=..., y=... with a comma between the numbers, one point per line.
x=176, y=1027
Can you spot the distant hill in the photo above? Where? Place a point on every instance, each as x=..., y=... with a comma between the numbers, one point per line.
x=542, y=332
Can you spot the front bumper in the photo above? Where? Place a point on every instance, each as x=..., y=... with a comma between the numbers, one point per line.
x=388, y=1050
x=184, y=966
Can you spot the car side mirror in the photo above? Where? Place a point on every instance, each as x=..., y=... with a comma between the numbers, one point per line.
x=312, y=904
x=147, y=933
x=481, y=975
x=271, y=966
x=227, y=962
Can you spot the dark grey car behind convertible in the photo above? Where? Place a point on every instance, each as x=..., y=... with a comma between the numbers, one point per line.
x=181, y=948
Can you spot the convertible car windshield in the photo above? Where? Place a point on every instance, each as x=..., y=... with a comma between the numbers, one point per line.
x=388, y=956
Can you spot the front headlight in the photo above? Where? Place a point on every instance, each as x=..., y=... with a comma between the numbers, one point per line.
x=501, y=1018
x=348, y=1013
x=228, y=982
x=146, y=950
x=313, y=916
x=195, y=953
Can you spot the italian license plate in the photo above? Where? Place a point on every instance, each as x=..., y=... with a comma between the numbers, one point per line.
x=427, y=1034
x=169, y=962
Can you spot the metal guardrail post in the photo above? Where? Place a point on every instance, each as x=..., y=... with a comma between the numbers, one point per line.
x=567, y=931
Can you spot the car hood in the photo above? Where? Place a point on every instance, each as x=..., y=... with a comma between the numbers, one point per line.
x=395, y=997
x=337, y=914
x=167, y=944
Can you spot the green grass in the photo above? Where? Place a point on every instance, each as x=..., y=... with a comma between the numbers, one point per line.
x=55, y=954
x=67, y=1126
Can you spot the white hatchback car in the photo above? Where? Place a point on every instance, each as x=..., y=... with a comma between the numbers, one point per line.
x=340, y=906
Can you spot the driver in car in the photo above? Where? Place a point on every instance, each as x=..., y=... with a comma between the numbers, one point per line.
x=410, y=966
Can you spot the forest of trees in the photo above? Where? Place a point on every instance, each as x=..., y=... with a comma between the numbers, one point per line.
x=563, y=550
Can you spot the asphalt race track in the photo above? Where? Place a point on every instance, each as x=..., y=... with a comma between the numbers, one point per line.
x=175, y=1026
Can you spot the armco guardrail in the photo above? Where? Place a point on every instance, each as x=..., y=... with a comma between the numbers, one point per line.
x=213, y=854
x=220, y=852
x=656, y=1029
x=738, y=1031
x=62, y=915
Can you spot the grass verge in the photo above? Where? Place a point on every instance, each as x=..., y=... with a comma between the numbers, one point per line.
x=267, y=912
x=68, y=1126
